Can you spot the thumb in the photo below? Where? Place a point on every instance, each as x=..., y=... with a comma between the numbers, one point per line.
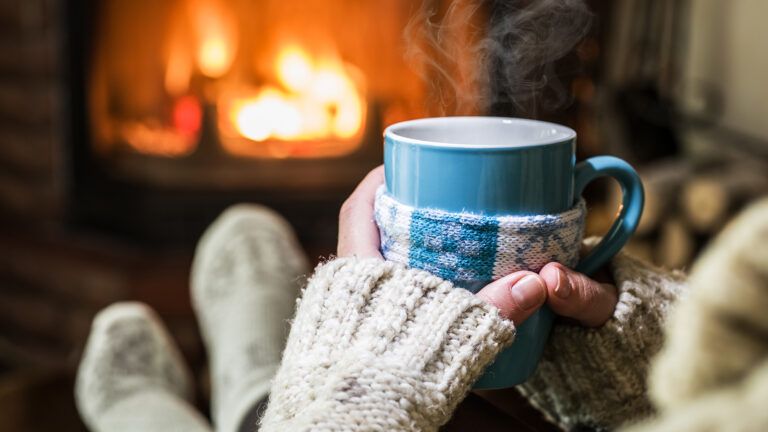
x=517, y=295
x=574, y=295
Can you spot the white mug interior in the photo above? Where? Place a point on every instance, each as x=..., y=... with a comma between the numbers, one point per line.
x=478, y=132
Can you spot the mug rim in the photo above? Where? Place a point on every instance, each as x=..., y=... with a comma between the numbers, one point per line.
x=563, y=133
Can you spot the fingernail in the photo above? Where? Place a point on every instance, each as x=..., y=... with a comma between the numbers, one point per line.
x=563, y=288
x=528, y=292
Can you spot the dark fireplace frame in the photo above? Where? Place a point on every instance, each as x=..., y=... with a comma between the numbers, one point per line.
x=308, y=194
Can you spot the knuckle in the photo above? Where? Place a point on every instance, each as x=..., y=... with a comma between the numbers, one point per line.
x=582, y=285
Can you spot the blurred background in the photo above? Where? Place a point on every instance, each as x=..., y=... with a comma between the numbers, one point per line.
x=126, y=126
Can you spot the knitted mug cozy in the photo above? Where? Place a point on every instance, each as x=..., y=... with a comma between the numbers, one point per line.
x=468, y=247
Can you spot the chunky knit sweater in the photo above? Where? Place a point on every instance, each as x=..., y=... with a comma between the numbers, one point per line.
x=376, y=346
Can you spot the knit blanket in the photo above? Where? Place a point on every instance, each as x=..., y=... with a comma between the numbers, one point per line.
x=467, y=247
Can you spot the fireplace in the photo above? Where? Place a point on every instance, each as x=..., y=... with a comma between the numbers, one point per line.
x=181, y=107
x=127, y=126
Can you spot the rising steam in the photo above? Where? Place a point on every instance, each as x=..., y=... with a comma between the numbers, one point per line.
x=476, y=53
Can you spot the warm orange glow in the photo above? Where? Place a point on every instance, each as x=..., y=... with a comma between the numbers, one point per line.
x=270, y=114
x=157, y=140
x=217, y=41
x=294, y=69
x=187, y=115
x=214, y=57
x=178, y=72
x=319, y=100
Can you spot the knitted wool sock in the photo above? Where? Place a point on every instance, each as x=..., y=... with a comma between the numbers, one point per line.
x=376, y=346
x=466, y=247
x=245, y=280
x=132, y=377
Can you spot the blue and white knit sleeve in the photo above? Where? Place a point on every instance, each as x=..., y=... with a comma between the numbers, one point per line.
x=469, y=247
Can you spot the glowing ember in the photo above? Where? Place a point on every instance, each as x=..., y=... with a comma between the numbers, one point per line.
x=187, y=115
x=316, y=101
x=157, y=140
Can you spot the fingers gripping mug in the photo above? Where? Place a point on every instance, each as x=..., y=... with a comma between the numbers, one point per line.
x=472, y=199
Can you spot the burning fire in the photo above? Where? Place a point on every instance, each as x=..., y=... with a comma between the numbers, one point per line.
x=306, y=102
x=216, y=30
x=316, y=99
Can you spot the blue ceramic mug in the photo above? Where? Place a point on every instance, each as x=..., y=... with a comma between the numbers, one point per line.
x=505, y=166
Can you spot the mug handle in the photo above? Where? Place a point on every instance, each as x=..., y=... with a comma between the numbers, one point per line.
x=629, y=213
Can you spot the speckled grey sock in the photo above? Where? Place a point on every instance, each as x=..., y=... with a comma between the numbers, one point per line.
x=132, y=377
x=246, y=276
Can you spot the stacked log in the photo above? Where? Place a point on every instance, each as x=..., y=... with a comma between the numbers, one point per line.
x=710, y=198
x=675, y=247
x=688, y=203
x=662, y=182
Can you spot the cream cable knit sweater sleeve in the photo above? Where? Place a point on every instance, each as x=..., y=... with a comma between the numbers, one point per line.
x=376, y=346
x=597, y=377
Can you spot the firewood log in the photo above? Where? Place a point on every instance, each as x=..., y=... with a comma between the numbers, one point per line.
x=662, y=182
x=676, y=245
x=710, y=199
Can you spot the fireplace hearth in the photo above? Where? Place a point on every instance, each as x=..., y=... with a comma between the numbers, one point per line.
x=182, y=107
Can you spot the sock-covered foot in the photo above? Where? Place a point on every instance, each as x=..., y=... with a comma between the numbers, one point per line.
x=246, y=276
x=132, y=377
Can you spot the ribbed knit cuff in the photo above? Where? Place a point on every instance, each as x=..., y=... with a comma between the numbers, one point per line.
x=378, y=346
x=596, y=377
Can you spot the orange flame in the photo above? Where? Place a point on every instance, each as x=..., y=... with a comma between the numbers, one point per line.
x=216, y=34
x=179, y=65
x=318, y=100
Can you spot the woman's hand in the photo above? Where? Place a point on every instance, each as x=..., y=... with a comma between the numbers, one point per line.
x=358, y=233
x=567, y=292
x=517, y=295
